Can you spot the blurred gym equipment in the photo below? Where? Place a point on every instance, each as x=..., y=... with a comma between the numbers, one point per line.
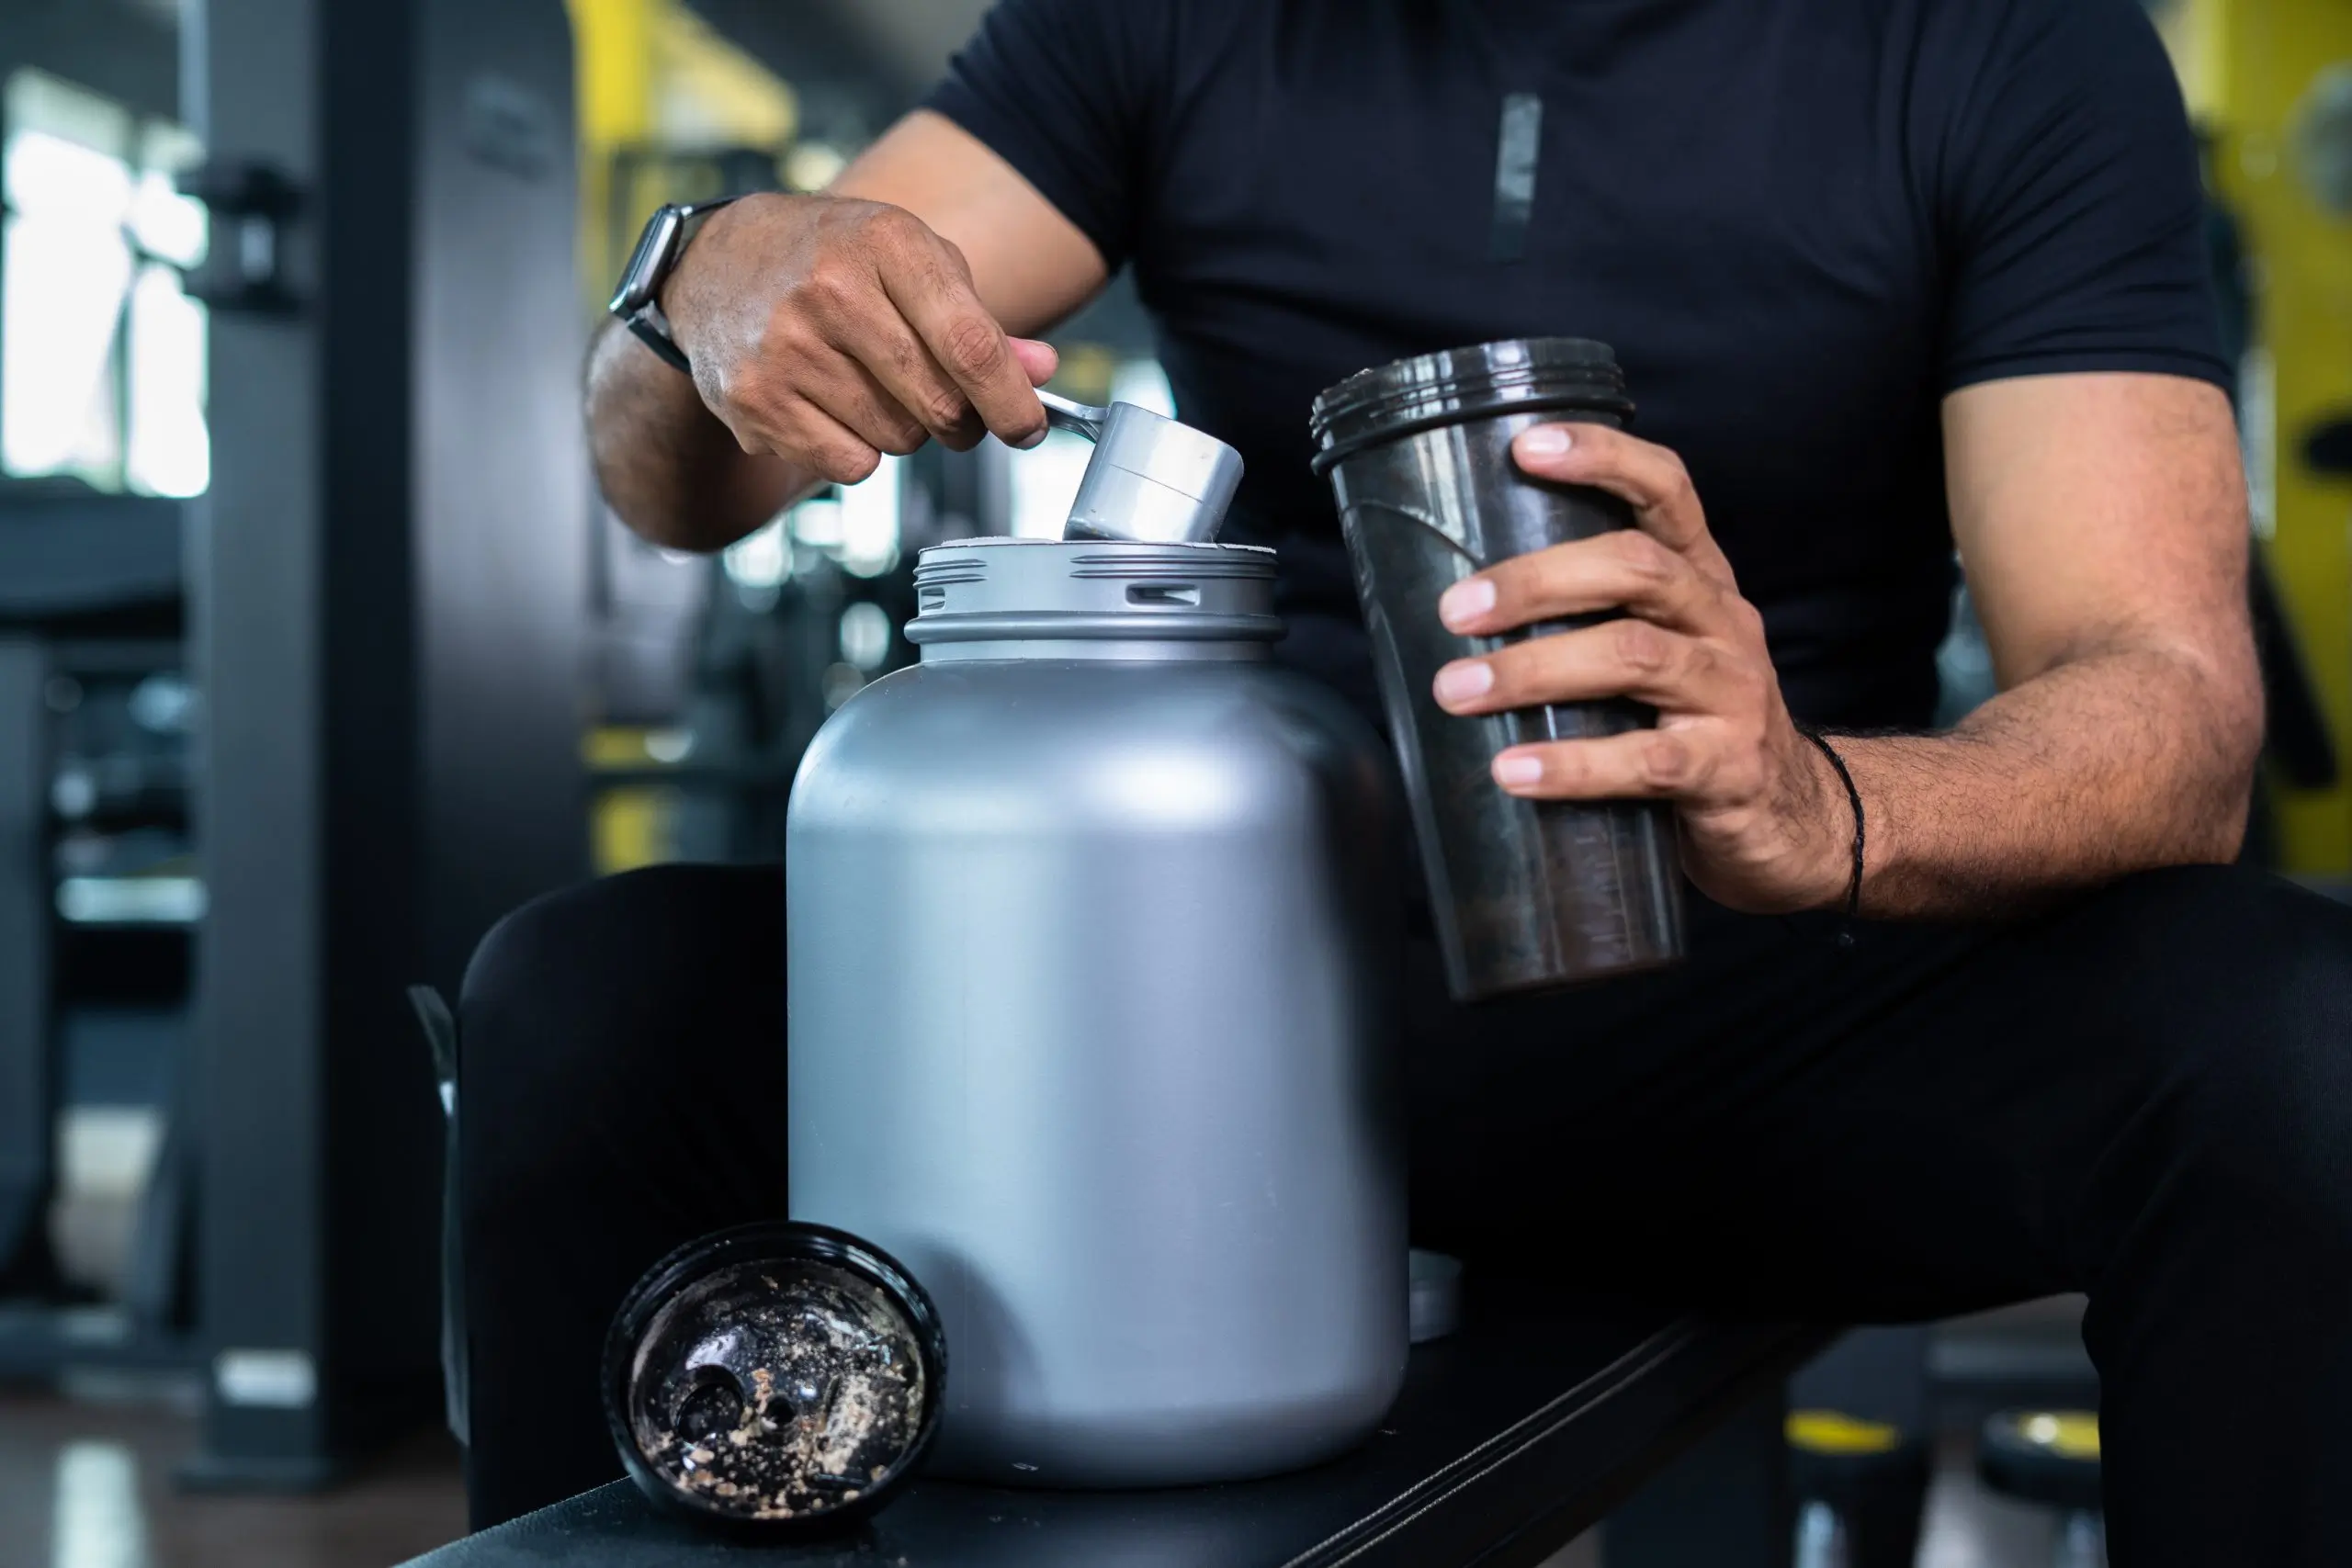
x=2050, y=1457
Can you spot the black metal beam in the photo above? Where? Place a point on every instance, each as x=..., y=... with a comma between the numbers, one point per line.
x=391, y=598
x=24, y=1107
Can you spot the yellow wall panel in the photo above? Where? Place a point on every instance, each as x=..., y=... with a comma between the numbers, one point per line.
x=2258, y=59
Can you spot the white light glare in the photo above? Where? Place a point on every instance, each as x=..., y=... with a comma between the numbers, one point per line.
x=813, y=166
x=866, y=634
x=95, y=1519
x=170, y=449
x=1143, y=383
x=131, y=900
x=49, y=176
x=816, y=522
x=166, y=223
x=761, y=559
x=870, y=520
x=1045, y=482
x=59, y=299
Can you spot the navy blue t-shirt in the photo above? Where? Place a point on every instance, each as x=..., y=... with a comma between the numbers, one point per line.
x=1801, y=223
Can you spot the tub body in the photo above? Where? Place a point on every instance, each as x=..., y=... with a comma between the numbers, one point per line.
x=1089, y=937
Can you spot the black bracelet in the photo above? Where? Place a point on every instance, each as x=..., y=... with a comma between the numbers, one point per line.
x=1854, y=799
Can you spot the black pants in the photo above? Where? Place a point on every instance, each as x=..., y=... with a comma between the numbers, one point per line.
x=2146, y=1095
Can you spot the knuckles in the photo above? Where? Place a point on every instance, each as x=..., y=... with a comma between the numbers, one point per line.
x=783, y=338
x=753, y=386
x=1668, y=762
x=1640, y=647
x=904, y=436
x=1627, y=567
x=892, y=231
x=1649, y=566
x=961, y=438
x=975, y=348
x=1677, y=480
x=1751, y=686
x=844, y=464
x=1674, y=491
x=831, y=290
x=945, y=411
x=1740, y=772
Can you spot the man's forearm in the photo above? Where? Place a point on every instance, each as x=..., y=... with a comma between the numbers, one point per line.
x=673, y=471
x=2112, y=762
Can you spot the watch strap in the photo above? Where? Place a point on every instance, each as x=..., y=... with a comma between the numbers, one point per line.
x=651, y=328
x=653, y=331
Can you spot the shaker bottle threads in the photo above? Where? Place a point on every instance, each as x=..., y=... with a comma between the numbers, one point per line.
x=1525, y=893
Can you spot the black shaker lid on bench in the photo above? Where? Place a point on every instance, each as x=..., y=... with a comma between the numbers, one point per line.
x=774, y=1379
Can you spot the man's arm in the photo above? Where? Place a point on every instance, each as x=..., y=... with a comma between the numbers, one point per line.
x=827, y=330
x=2102, y=521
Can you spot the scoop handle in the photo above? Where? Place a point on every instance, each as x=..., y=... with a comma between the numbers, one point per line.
x=1079, y=419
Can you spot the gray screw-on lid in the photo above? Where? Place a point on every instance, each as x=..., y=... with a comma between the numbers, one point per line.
x=999, y=590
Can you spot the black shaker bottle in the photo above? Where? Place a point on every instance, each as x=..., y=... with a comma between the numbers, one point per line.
x=1526, y=893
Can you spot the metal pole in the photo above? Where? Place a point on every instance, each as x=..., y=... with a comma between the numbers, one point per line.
x=390, y=587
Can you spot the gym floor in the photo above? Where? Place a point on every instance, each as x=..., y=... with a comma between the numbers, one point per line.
x=88, y=1482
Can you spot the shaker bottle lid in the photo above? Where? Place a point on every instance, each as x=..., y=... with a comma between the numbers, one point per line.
x=1513, y=375
x=774, y=1379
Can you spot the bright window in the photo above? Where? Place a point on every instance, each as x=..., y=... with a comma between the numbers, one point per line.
x=102, y=367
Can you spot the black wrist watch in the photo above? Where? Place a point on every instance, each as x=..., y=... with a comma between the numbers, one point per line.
x=637, y=300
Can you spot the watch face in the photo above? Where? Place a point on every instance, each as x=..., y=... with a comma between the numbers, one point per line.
x=648, y=263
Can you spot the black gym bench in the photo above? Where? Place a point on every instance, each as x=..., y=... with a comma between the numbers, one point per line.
x=1541, y=1415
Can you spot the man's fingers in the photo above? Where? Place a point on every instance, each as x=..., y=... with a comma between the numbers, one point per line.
x=1623, y=658
x=806, y=433
x=1627, y=569
x=1648, y=477
x=932, y=292
x=901, y=367
x=1641, y=764
x=908, y=382
x=858, y=399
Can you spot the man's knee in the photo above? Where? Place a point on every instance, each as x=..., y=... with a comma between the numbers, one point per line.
x=2244, y=984
x=657, y=912
x=2228, y=954
x=597, y=994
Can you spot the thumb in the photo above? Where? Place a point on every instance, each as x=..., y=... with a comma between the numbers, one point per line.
x=1039, y=360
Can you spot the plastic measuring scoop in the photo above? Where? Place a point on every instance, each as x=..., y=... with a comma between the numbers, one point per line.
x=1151, y=479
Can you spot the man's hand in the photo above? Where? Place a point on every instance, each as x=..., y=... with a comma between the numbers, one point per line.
x=1765, y=828
x=828, y=331
x=825, y=330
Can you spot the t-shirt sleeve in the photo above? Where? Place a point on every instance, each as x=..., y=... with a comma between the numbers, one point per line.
x=1065, y=91
x=2069, y=203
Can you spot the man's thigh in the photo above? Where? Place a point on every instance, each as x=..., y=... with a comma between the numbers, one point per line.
x=1928, y=1120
